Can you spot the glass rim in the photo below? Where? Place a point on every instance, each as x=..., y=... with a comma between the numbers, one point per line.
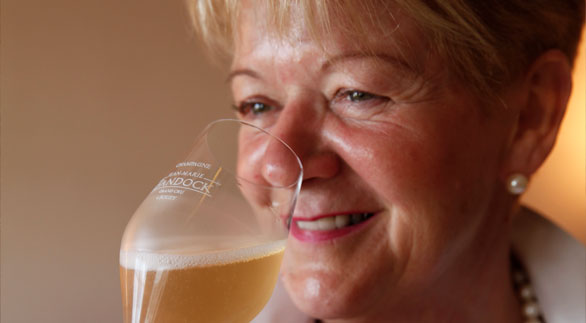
x=296, y=183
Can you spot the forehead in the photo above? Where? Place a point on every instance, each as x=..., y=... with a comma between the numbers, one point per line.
x=387, y=31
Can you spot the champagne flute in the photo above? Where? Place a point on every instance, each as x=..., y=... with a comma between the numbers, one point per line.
x=207, y=242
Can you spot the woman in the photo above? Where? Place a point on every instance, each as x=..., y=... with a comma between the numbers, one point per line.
x=418, y=124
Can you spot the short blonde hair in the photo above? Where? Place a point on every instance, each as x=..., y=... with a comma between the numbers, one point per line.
x=485, y=43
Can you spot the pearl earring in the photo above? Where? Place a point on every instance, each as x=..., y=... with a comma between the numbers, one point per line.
x=517, y=184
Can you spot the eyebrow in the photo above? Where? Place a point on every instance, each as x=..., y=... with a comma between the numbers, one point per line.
x=333, y=61
x=393, y=60
x=242, y=71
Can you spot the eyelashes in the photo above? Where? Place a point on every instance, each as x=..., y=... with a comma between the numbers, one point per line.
x=357, y=96
x=252, y=107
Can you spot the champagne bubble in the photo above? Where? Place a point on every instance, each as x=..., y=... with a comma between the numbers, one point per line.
x=183, y=258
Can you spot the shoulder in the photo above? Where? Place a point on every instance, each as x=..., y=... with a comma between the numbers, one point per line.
x=556, y=263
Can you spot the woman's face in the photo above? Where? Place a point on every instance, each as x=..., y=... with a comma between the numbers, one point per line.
x=401, y=163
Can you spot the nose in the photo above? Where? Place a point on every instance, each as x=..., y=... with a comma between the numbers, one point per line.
x=304, y=136
x=281, y=166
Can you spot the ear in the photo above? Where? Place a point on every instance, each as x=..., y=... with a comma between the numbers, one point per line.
x=545, y=93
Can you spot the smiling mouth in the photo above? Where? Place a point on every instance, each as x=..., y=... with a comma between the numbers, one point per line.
x=334, y=222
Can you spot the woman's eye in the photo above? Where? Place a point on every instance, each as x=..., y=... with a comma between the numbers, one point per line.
x=358, y=96
x=255, y=108
x=358, y=104
x=346, y=96
x=258, y=108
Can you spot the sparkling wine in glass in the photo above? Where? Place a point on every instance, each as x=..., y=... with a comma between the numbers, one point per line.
x=207, y=242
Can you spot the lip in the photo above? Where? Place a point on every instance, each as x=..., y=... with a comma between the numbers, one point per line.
x=319, y=236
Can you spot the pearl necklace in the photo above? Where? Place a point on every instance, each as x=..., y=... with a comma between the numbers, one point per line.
x=525, y=293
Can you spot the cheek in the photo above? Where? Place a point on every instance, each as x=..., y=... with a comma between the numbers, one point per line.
x=422, y=163
x=248, y=167
x=249, y=155
x=434, y=174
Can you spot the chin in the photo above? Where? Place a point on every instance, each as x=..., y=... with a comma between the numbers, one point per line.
x=328, y=296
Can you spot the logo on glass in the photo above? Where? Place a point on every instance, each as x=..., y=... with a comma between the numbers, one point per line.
x=178, y=181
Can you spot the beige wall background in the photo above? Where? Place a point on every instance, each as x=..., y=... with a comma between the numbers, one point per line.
x=98, y=99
